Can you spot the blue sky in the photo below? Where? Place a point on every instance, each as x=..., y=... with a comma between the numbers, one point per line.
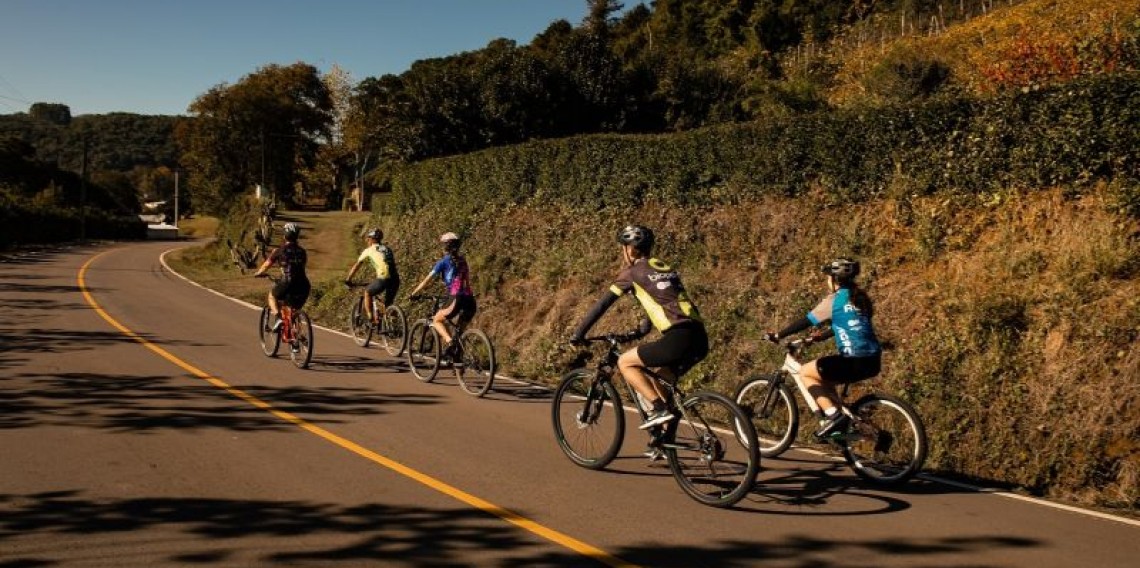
x=156, y=56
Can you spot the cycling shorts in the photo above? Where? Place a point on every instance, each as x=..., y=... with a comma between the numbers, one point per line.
x=386, y=286
x=462, y=309
x=837, y=369
x=680, y=348
x=293, y=292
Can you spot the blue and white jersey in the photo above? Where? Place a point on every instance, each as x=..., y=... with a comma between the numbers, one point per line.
x=854, y=336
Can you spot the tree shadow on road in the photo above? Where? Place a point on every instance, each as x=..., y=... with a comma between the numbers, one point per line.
x=231, y=531
x=146, y=404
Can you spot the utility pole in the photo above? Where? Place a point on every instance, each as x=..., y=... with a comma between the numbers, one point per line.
x=176, y=201
x=83, y=193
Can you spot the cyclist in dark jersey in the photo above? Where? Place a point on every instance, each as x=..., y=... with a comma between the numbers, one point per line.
x=658, y=289
x=849, y=310
x=293, y=289
x=452, y=269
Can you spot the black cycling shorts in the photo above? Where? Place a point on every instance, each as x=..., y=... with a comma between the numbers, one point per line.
x=680, y=348
x=292, y=292
x=388, y=287
x=462, y=309
x=837, y=369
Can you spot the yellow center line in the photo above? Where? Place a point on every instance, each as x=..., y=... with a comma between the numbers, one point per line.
x=520, y=521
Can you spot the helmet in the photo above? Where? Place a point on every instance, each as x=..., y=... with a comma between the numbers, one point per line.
x=842, y=269
x=292, y=231
x=641, y=238
x=448, y=237
x=375, y=234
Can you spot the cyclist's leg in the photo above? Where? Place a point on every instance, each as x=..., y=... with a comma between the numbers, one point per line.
x=822, y=391
x=437, y=322
x=633, y=369
x=371, y=291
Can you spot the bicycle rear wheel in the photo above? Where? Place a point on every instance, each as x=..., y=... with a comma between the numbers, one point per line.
x=774, y=414
x=301, y=348
x=886, y=444
x=423, y=351
x=394, y=330
x=710, y=463
x=476, y=366
x=359, y=323
x=270, y=340
x=589, y=421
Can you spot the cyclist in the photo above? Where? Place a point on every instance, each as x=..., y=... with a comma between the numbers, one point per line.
x=658, y=289
x=849, y=309
x=293, y=289
x=452, y=269
x=387, y=280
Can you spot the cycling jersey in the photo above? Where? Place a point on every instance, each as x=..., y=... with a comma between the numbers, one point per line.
x=456, y=277
x=292, y=259
x=382, y=259
x=659, y=290
x=854, y=336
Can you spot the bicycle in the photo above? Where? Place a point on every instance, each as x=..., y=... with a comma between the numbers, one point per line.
x=711, y=465
x=885, y=443
x=296, y=329
x=473, y=361
x=391, y=329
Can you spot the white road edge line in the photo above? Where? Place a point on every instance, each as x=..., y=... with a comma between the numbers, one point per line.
x=924, y=476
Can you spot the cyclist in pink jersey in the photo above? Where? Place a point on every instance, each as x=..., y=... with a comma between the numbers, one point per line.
x=452, y=270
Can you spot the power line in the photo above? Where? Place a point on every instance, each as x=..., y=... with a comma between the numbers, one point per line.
x=12, y=88
x=15, y=99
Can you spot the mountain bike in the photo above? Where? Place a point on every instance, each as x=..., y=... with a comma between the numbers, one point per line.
x=710, y=463
x=390, y=330
x=885, y=443
x=296, y=331
x=472, y=358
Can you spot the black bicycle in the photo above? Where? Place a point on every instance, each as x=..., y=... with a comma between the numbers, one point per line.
x=885, y=443
x=710, y=463
x=472, y=359
x=390, y=329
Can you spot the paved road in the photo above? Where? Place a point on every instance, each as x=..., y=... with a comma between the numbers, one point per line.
x=170, y=440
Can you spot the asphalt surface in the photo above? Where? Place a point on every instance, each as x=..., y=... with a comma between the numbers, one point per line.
x=170, y=440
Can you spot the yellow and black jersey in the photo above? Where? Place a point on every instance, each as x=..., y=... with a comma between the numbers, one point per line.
x=659, y=290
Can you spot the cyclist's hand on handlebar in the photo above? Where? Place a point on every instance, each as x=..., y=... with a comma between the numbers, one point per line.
x=815, y=336
x=348, y=283
x=771, y=336
x=577, y=340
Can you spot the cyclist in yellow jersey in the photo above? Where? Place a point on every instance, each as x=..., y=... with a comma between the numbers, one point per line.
x=658, y=289
x=387, y=280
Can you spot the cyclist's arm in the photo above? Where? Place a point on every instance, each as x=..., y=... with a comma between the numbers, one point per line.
x=422, y=284
x=608, y=298
x=352, y=271
x=268, y=262
x=819, y=314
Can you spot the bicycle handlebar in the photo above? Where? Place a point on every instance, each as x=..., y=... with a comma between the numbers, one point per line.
x=616, y=337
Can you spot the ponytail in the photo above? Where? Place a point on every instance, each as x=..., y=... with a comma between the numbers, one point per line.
x=860, y=299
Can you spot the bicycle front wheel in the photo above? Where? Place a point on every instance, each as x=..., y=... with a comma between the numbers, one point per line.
x=475, y=369
x=359, y=323
x=589, y=421
x=270, y=340
x=886, y=443
x=394, y=333
x=774, y=414
x=710, y=462
x=423, y=351
x=301, y=348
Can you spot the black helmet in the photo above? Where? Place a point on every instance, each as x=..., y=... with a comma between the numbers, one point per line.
x=842, y=269
x=292, y=231
x=641, y=238
x=375, y=234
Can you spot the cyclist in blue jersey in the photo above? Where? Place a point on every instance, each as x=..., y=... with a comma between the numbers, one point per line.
x=452, y=270
x=849, y=310
x=293, y=289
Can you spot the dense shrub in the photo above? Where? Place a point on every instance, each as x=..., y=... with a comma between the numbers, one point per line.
x=25, y=222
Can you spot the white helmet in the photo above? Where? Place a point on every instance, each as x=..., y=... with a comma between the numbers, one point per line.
x=448, y=237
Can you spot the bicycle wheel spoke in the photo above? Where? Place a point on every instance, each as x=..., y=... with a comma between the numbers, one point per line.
x=887, y=444
x=774, y=414
x=475, y=366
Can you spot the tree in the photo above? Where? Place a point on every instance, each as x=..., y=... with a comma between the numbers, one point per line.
x=264, y=129
x=54, y=113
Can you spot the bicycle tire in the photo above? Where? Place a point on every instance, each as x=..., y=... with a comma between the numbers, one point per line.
x=394, y=333
x=301, y=349
x=359, y=324
x=873, y=446
x=710, y=463
x=774, y=415
x=270, y=340
x=602, y=406
x=476, y=374
x=423, y=351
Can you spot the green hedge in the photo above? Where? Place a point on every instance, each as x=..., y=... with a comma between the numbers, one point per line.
x=1073, y=134
x=26, y=223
